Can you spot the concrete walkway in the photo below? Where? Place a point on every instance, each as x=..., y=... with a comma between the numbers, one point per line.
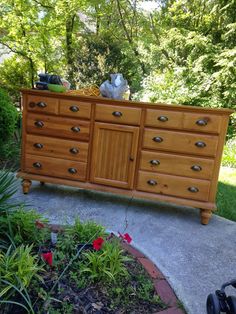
x=195, y=259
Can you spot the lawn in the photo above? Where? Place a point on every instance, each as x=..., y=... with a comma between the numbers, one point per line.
x=226, y=196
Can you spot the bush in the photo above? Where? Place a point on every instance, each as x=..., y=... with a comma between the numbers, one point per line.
x=229, y=154
x=8, y=118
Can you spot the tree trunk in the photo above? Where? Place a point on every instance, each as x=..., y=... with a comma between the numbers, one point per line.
x=69, y=51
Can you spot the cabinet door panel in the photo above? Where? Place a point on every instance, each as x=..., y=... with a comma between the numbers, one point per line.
x=114, y=155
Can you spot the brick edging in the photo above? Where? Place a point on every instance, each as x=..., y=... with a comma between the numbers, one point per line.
x=161, y=285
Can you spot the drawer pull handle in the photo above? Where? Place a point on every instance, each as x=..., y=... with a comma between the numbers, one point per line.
x=117, y=114
x=155, y=162
x=41, y=104
x=196, y=168
x=74, y=108
x=163, y=118
x=152, y=182
x=37, y=165
x=201, y=122
x=72, y=170
x=38, y=145
x=157, y=139
x=200, y=144
x=75, y=129
x=193, y=189
x=32, y=104
x=39, y=124
x=74, y=150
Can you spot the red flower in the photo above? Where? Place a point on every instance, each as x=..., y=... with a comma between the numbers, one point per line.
x=47, y=257
x=97, y=244
x=126, y=237
x=39, y=224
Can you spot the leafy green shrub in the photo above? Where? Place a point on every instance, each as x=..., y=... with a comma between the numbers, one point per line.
x=19, y=263
x=8, y=118
x=106, y=264
x=229, y=154
x=79, y=233
x=22, y=227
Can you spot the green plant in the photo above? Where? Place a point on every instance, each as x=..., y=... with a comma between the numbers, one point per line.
x=8, y=187
x=8, y=117
x=229, y=153
x=17, y=268
x=108, y=264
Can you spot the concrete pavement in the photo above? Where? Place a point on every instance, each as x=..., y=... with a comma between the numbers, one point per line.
x=195, y=259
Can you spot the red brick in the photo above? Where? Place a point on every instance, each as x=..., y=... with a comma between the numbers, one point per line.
x=165, y=292
x=153, y=271
x=171, y=310
x=132, y=250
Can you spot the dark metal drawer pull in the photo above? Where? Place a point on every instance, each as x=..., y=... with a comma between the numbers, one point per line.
x=193, y=189
x=162, y=118
x=74, y=108
x=41, y=104
x=74, y=150
x=152, y=182
x=200, y=144
x=39, y=124
x=157, y=139
x=72, y=170
x=155, y=162
x=32, y=104
x=38, y=145
x=196, y=168
x=117, y=114
x=37, y=165
x=201, y=122
x=75, y=129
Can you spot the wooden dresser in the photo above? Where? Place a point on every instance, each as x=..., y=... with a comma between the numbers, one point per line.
x=160, y=152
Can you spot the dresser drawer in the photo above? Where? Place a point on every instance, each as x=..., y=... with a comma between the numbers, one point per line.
x=164, y=118
x=194, y=167
x=42, y=104
x=55, y=147
x=58, y=126
x=174, y=186
x=76, y=109
x=198, y=144
x=118, y=114
x=55, y=167
x=202, y=122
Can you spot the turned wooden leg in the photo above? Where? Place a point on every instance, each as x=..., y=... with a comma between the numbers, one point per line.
x=42, y=183
x=205, y=216
x=26, y=184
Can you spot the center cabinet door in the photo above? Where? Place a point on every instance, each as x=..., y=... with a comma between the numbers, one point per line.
x=114, y=155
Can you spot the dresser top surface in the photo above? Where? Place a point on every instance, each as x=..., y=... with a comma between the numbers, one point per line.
x=109, y=101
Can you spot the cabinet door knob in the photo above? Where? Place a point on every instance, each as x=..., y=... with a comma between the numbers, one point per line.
x=72, y=170
x=200, y=144
x=162, y=118
x=39, y=124
x=41, y=104
x=157, y=139
x=155, y=162
x=37, y=165
x=193, y=189
x=74, y=150
x=152, y=182
x=74, y=108
x=32, y=104
x=117, y=114
x=75, y=129
x=196, y=168
x=38, y=145
x=201, y=122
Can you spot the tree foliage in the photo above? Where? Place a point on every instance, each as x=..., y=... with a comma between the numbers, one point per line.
x=183, y=52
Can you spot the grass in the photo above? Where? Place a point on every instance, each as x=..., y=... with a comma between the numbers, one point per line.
x=226, y=196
